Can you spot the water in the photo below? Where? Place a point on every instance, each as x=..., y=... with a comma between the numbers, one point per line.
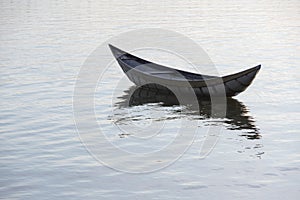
x=43, y=46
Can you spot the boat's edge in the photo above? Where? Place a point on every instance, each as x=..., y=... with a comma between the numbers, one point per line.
x=118, y=52
x=242, y=73
x=239, y=82
x=235, y=79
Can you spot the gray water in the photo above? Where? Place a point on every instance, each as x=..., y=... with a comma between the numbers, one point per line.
x=45, y=43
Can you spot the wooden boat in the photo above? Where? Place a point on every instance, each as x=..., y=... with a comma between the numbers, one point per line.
x=143, y=72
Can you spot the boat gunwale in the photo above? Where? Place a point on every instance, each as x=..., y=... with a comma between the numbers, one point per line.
x=195, y=83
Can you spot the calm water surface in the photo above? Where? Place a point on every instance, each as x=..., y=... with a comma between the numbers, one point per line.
x=43, y=46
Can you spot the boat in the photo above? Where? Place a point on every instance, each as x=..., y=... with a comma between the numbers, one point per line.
x=143, y=72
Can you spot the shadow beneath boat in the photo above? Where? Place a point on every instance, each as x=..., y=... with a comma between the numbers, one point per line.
x=237, y=114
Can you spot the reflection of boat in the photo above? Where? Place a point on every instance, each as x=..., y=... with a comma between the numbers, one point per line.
x=237, y=117
x=142, y=72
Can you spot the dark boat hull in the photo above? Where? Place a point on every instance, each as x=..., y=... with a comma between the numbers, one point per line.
x=142, y=72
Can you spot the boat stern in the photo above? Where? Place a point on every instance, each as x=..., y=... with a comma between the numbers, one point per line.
x=117, y=53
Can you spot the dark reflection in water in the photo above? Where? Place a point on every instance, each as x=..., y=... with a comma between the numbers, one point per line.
x=237, y=114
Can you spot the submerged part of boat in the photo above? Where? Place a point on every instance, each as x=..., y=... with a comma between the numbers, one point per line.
x=143, y=72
